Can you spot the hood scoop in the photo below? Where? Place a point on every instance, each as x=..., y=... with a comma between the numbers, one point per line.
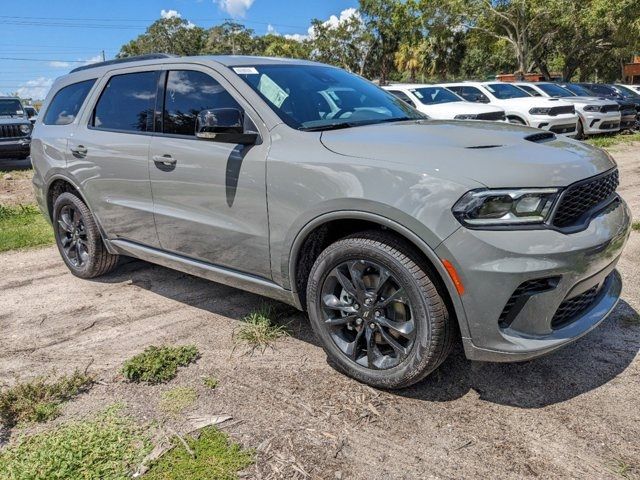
x=478, y=147
x=541, y=137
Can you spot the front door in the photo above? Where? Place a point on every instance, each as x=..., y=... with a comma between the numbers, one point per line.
x=210, y=199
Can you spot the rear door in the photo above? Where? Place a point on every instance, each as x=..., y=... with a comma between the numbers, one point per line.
x=210, y=198
x=110, y=154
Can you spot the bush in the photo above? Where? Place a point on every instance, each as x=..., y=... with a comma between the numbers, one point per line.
x=159, y=364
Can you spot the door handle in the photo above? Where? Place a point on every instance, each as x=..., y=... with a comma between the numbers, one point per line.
x=79, y=151
x=166, y=160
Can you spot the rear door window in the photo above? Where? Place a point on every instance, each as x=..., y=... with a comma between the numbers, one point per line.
x=188, y=92
x=470, y=94
x=127, y=103
x=66, y=103
x=403, y=96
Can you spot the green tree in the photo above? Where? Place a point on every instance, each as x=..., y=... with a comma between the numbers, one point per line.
x=231, y=38
x=167, y=35
x=272, y=45
x=347, y=44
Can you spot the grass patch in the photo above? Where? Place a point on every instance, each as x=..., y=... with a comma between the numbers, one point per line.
x=260, y=330
x=214, y=456
x=107, y=446
x=607, y=141
x=177, y=399
x=159, y=364
x=23, y=226
x=39, y=400
x=210, y=382
x=635, y=226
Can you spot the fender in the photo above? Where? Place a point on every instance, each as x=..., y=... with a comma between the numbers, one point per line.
x=391, y=225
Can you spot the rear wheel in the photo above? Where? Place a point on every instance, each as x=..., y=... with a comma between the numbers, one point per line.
x=78, y=238
x=377, y=311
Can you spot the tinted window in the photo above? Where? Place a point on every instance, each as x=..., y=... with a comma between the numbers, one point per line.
x=127, y=103
x=66, y=104
x=470, y=94
x=402, y=96
x=555, y=90
x=505, y=91
x=11, y=108
x=578, y=90
x=435, y=95
x=320, y=97
x=530, y=90
x=602, y=90
x=627, y=92
x=187, y=94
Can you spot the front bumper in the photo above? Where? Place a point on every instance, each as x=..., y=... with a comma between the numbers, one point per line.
x=561, y=124
x=596, y=122
x=493, y=264
x=628, y=121
x=15, y=148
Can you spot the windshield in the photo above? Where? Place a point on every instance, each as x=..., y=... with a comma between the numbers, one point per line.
x=309, y=97
x=628, y=92
x=435, y=95
x=11, y=107
x=505, y=91
x=555, y=91
x=579, y=90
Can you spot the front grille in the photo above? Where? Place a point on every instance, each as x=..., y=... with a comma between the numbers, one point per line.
x=491, y=116
x=569, y=109
x=580, y=198
x=566, y=128
x=610, y=108
x=571, y=308
x=10, y=131
x=521, y=295
x=610, y=125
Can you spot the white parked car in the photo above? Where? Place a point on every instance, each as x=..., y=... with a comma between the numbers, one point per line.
x=597, y=115
x=442, y=104
x=521, y=108
x=634, y=88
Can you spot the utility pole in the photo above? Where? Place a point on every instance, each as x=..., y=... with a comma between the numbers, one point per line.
x=103, y=58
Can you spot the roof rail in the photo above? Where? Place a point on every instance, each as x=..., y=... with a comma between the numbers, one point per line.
x=148, y=56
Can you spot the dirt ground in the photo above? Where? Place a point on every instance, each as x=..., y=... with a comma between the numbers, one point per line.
x=572, y=414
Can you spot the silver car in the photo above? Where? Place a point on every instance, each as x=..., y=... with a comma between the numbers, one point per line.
x=398, y=235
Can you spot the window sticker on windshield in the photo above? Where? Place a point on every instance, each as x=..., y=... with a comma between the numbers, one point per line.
x=20, y=112
x=417, y=94
x=490, y=89
x=245, y=70
x=272, y=91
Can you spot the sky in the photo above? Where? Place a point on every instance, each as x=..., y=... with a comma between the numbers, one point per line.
x=44, y=39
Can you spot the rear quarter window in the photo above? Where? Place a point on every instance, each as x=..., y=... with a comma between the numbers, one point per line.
x=66, y=103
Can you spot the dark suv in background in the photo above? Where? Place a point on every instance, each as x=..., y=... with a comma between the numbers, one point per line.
x=15, y=129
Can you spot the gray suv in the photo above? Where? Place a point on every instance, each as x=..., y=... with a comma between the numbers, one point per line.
x=15, y=129
x=299, y=181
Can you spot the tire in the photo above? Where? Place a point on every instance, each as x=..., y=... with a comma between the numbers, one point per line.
x=78, y=238
x=420, y=324
x=517, y=121
x=580, y=135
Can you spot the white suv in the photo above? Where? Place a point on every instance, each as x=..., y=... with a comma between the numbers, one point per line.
x=521, y=108
x=442, y=104
x=597, y=115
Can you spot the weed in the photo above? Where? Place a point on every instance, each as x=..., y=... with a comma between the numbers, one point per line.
x=213, y=457
x=159, y=364
x=636, y=226
x=177, y=399
x=23, y=226
x=607, y=141
x=259, y=330
x=210, y=382
x=39, y=400
x=107, y=446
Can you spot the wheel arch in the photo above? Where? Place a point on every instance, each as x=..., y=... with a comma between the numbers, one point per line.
x=330, y=227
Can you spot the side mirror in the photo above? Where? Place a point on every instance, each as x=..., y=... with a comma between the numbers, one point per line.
x=225, y=125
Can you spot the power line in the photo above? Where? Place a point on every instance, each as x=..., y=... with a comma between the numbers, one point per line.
x=41, y=60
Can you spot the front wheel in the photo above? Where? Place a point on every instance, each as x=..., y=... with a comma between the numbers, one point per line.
x=78, y=238
x=376, y=309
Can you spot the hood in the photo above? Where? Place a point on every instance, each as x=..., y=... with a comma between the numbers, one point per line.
x=493, y=154
x=531, y=102
x=7, y=120
x=588, y=101
x=451, y=109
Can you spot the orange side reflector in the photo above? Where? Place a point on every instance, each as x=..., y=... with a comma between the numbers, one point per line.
x=454, y=276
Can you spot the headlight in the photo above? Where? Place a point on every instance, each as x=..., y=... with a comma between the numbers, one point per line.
x=591, y=108
x=540, y=111
x=26, y=129
x=465, y=116
x=505, y=207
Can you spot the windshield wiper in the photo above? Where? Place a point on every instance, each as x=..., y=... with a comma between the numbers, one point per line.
x=331, y=126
